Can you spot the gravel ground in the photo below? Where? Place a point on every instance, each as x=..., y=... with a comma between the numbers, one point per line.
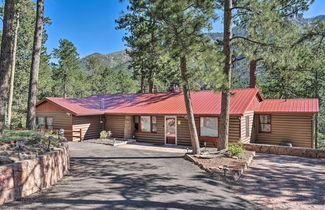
x=285, y=182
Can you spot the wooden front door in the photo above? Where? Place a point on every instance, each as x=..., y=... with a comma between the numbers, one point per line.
x=170, y=130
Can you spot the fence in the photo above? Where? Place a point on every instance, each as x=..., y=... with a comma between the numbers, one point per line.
x=69, y=134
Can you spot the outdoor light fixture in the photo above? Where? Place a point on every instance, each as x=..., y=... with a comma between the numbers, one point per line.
x=68, y=113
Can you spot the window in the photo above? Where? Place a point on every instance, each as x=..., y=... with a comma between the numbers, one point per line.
x=265, y=123
x=154, y=124
x=145, y=123
x=247, y=125
x=45, y=122
x=209, y=126
x=49, y=122
x=40, y=122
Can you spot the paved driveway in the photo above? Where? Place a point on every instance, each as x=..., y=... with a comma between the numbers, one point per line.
x=107, y=177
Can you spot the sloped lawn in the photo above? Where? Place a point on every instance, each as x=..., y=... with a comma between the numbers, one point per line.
x=13, y=135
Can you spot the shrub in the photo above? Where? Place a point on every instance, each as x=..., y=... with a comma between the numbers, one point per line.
x=236, y=149
x=105, y=134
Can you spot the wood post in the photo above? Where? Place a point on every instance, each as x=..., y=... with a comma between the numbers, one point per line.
x=81, y=139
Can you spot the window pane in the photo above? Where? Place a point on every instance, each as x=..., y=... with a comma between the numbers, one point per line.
x=145, y=123
x=265, y=119
x=154, y=124
x=209, y=126
x=266, y=128
x=40, y=121
x=49, y=122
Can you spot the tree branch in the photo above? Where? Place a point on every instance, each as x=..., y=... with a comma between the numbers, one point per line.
x=250, y=40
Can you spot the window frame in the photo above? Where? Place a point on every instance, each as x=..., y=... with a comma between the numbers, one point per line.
x=151, y=124
x=216, y=129
x=259, y=123
x=47, y=125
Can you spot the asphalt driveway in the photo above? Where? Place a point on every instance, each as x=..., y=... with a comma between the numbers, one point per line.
x=105, y=177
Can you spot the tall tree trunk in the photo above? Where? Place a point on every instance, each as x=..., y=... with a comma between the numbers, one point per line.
x=189, y=109
x=65, y=85
x=13, y=69
x=150, y=83
x=36, y=58
x=6, y=56
x=225, y=96
x=252, y=73
x=142, y=83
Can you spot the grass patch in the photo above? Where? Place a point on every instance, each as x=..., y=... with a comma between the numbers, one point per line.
x=10, y=135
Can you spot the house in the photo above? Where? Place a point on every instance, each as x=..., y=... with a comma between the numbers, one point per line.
x=160, y=118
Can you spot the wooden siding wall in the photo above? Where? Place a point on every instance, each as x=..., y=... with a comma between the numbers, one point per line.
x=115, y=124
x=155, y=138
x=297, y=129
x=244, y=138
x=90, y=125
x=60, y=119
x=49, y=107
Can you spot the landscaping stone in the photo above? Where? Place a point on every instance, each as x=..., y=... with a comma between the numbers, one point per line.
x=222, y=167
x=20, y=179
x=112, y=142
x=283, y=150
x=5, y=160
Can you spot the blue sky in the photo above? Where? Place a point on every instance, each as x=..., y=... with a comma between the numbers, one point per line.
x=90, y=24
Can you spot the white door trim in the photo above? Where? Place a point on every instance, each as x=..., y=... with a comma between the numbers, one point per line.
x=175, y=128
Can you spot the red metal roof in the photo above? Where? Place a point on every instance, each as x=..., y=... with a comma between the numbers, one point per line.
x=309, y=105
x=204, y=103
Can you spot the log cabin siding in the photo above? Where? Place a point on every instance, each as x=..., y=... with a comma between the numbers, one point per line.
x=91, y=126
x=250, y=115
x=115, y=124
x=294, y=128
x=234, y=129
x=155, y=138
x=60, y=119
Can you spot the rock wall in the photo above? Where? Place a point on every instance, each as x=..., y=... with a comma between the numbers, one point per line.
x=24, y=178
x=283, y=150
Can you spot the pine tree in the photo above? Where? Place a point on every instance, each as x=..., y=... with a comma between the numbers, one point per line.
x=182, y=25
x=36, y=59
x=6, y=56
x=67, y=74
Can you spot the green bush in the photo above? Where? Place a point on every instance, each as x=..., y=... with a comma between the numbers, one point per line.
x=105, y=134
x=237, y=150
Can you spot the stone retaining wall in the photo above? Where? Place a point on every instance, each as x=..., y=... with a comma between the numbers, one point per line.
x=283, y=150
x=23, y=178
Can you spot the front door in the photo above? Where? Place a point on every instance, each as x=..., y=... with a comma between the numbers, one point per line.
x=170, y=123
